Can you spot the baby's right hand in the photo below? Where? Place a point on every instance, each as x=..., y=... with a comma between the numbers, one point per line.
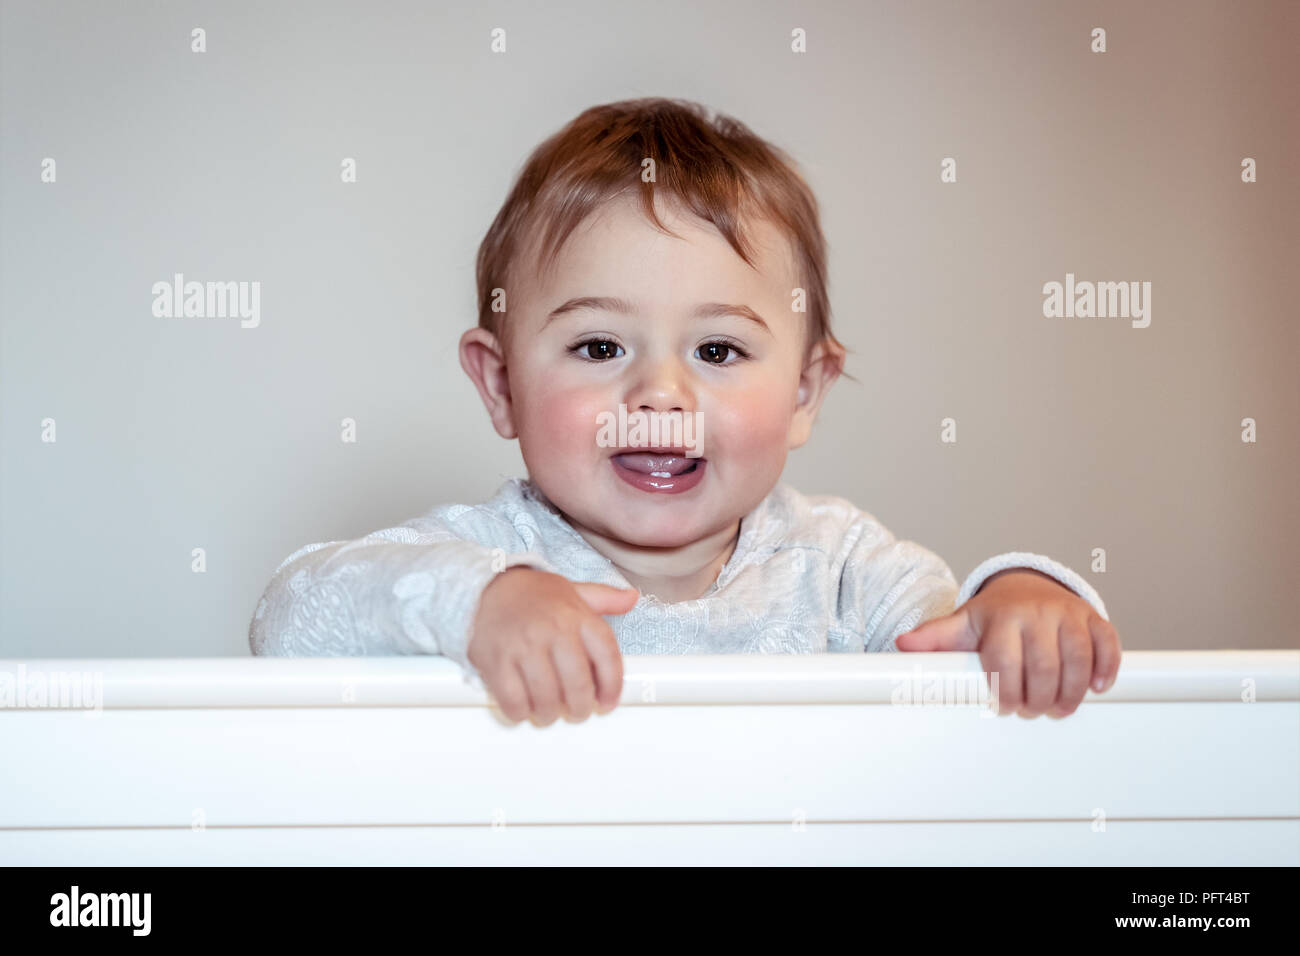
x=542, y=647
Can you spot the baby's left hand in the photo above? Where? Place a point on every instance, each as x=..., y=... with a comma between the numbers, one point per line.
x=1045, y=643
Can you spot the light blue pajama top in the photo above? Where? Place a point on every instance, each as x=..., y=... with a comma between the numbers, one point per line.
x=809, y=574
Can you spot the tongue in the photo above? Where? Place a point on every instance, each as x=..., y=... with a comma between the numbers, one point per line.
x=648, y=464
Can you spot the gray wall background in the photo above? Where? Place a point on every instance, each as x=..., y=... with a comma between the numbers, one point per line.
x=1073, y=434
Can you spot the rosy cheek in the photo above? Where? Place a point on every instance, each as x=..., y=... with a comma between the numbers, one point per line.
x=749, y=424
x=562, y=420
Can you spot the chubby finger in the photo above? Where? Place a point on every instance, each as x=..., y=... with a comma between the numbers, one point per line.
x=952, y=632
x=1105, y=653
x=1000, y=656
x=1042, y=655
x=606, y=661
x=577, y=683
x=507, y=686
x=605, y=599
x=543, y=687
x=1076, y=666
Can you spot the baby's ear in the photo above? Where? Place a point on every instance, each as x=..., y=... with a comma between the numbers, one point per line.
x=819, y=374
x=483, y=360
x=823, y=367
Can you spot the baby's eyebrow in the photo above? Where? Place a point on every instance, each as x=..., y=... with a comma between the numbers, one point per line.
x=606, y=303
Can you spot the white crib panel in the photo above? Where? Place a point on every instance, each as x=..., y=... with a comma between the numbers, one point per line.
x=1192, y=758
x=660, y=764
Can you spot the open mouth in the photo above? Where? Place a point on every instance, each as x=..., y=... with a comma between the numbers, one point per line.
x=668, y=464
x=659, y=470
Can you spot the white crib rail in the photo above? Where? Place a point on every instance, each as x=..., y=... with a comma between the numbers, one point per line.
x=1191, y=758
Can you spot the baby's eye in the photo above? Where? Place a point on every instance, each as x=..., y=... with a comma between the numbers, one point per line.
x=602, y=350
x=715, y=353
x=597, y=350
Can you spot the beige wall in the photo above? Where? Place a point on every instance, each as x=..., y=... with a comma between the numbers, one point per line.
x=1072, y=434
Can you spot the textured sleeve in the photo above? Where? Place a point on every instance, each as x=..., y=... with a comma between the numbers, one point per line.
x=889, y=586
x=412, y=589
x=1038, y=562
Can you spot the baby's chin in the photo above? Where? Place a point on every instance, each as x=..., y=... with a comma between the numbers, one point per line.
x=647, y=528
x=663, y=523
x=656, y=537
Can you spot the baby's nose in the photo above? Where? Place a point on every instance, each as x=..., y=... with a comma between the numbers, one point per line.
x=663, y=388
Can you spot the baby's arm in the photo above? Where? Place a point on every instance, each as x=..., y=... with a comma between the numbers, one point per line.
x=1039, y=625
x=888, y=586
x=412, y=589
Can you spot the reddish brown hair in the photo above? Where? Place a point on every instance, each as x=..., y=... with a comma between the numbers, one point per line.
x=715, y=168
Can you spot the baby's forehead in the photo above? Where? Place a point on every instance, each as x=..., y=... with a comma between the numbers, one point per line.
x=770, y=251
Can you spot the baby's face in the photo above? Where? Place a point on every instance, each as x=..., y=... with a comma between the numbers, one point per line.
x=569, y=372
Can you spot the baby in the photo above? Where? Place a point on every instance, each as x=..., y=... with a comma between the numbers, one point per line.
x=652, y=261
